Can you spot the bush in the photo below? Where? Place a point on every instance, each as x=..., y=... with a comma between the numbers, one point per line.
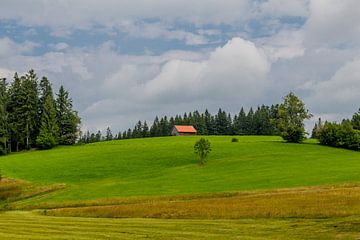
x=234, y=140
x=340, y=135
x=45, y=141
x=202, y=148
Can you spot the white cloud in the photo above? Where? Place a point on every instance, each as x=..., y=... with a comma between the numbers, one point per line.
x=59, y=46
x=333, y=23
x=161, y=31
x=285, y=7
x=341, y=93
x=286, y=44
x=234, y=72
x=319, y=61
x=84, y=13
x=9, y=47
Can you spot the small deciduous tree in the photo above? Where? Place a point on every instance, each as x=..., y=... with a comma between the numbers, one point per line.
x=291, y=116
x=202, y=148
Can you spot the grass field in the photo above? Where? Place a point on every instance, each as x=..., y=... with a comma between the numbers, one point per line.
x=257, y=188
x=167, y=166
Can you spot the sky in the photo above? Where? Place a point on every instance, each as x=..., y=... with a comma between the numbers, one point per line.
x=129, y=60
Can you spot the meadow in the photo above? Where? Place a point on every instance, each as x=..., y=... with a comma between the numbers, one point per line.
x=156, y=184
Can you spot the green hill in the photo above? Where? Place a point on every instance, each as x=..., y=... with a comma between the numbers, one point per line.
x=168, y=166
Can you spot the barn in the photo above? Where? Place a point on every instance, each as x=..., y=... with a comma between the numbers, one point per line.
x=183, y=130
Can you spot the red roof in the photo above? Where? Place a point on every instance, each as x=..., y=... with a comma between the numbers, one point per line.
x=185, y=129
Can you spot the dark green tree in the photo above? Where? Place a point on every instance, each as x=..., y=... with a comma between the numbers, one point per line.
x=98, y=136
x=145, y=130
x=68, y=119
x=48, y=136
x=355, y=121
x=316, y=130
x=4, y=128
x=109, y=135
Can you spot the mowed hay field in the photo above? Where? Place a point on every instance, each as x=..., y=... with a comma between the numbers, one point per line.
x=28, y=225
x=257, y=188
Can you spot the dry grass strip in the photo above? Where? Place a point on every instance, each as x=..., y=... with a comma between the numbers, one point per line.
x=312, y=202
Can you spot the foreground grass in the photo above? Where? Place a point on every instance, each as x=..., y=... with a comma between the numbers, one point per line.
x=167, y=166
x=313, y=202
x=28, y=225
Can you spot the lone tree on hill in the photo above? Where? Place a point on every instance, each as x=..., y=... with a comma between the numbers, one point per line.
x=291, y=116
x=202, y=149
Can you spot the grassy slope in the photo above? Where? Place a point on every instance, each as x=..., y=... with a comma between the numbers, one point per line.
x=167, y=166
x=27, y=225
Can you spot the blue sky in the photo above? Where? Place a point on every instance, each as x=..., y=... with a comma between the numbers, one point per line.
x=128, y=60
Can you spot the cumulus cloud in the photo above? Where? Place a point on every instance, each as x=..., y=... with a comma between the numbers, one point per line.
x=8, y=47
x=318, y=60
x=341, y=93
x=83, y=13
x=285, y=8
x=333, y=23
x=231, y=74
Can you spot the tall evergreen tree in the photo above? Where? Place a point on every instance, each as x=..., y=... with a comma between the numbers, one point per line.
x=355, y=121
x=109, y=135
x=145, y=130
x=48, y=135
x=15, y=115
x=68, y=119
x=4, y=131
x=30, y=108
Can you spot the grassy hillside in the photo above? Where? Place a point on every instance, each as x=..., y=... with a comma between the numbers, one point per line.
x=167, y=166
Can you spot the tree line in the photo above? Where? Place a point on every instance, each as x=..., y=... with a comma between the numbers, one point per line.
x=258, y=122
x=31, y=117
x=345, y=134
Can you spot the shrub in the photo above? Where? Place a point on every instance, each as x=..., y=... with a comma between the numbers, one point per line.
x=45, y=141
x=340, y=135
x=202, y=148
x=234, y=140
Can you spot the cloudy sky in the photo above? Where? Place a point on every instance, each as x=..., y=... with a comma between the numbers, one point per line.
x=125, y=60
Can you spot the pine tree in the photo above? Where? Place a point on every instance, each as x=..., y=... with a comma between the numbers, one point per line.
x=4, y=131
x=316, y=130
x=15, y=116
x=240, y=123
x=145, y=130
x=250, y=122
x=48, y=136
x=129, y=133
x=109, y=135
x=31, y=108
x=355, y=121
x=98, y=136
x=67, y=118
x=155, y=128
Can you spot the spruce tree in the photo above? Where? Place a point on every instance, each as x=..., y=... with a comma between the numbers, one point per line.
x=4, y=131
x=15, y=114
x=145, y=130
x=68, y=119
x=355, y=121
x=109, y=135
x=48, y=136
x=98, y=136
